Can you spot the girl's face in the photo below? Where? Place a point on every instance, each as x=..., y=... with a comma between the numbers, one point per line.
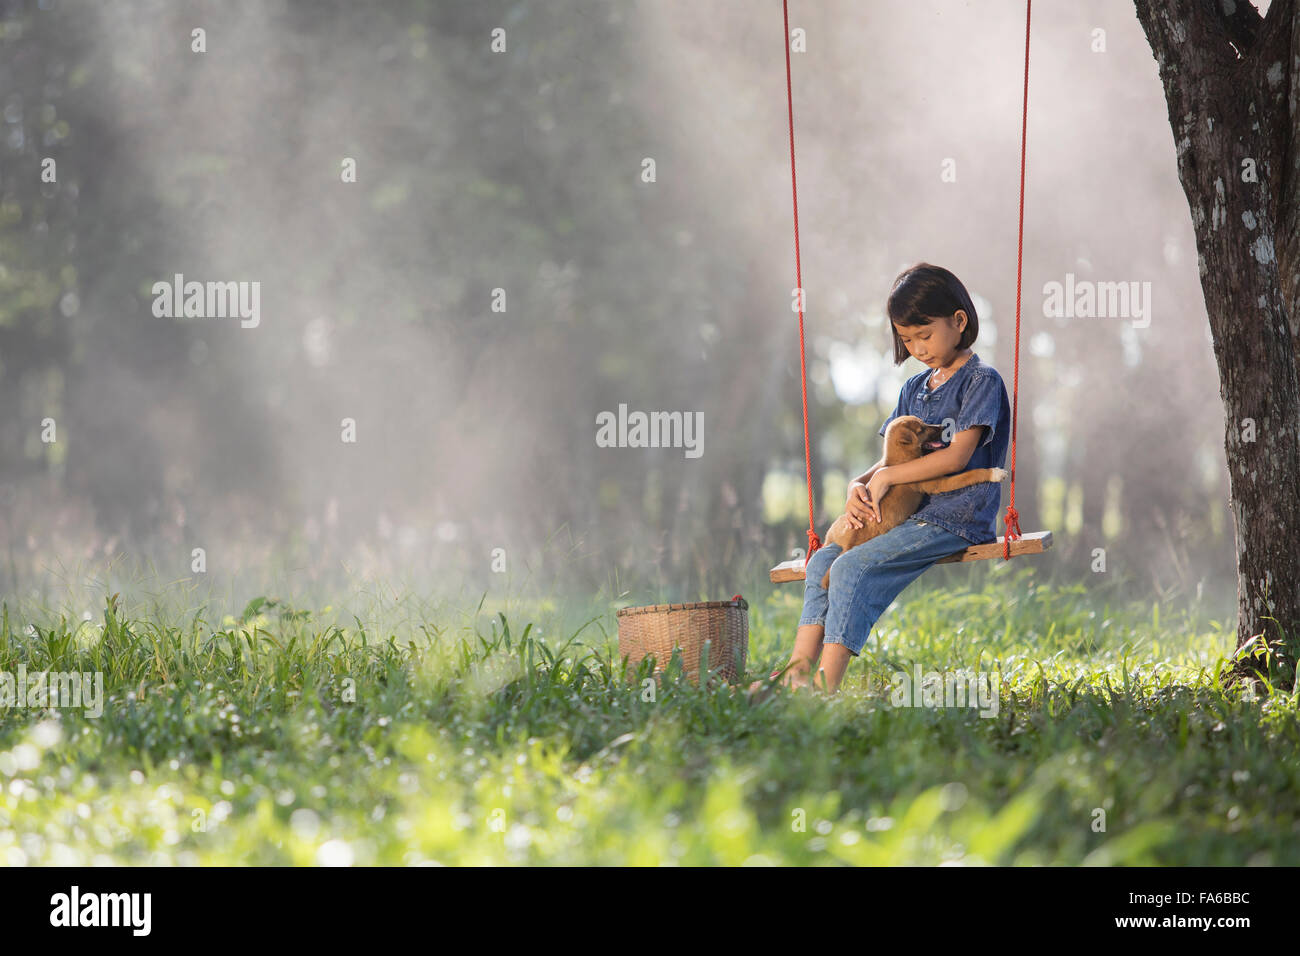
x=935, y=344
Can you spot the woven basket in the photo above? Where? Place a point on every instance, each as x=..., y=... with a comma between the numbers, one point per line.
x=656, y=629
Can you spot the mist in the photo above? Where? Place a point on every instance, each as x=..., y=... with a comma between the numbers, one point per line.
x=460, y=266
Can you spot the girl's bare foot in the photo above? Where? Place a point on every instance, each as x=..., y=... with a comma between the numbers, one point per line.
x=795, y=677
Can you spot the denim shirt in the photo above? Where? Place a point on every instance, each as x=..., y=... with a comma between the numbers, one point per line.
x=973, y=396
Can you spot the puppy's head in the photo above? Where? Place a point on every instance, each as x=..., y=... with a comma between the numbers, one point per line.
x=908, y=438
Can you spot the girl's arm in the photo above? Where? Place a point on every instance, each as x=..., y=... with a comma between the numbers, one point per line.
x=866, y=475
x=946, y=461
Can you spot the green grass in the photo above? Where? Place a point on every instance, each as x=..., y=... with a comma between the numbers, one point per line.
x=478, y=736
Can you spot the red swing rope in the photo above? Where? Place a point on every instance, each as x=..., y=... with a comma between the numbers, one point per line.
x=1012, y=518
x=814, y=542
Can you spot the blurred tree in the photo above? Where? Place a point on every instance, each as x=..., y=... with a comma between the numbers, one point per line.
x=478, y=172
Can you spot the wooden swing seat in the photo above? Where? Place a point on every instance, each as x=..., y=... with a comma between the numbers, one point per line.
x=1030, y=542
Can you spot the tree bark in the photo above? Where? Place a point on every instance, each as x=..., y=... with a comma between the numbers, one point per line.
x=1232, y=84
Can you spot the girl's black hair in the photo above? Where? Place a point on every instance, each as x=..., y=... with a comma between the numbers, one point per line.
x=923, y=293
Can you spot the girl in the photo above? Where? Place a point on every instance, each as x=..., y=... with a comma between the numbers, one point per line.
x=934, y=321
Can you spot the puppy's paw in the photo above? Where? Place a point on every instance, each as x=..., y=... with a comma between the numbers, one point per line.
x=999, y=474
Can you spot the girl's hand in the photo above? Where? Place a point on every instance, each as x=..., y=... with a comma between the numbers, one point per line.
x=877, y=488
x=857, y=509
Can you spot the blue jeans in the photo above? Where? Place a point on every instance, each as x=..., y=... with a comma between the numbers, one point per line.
x=864, y=580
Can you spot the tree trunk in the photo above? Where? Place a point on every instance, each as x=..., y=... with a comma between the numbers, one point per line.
x=1232, y=85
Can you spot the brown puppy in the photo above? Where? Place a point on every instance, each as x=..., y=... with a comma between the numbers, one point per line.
x=906, y=439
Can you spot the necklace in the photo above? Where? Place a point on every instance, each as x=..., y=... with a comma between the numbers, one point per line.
x=939, y=377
